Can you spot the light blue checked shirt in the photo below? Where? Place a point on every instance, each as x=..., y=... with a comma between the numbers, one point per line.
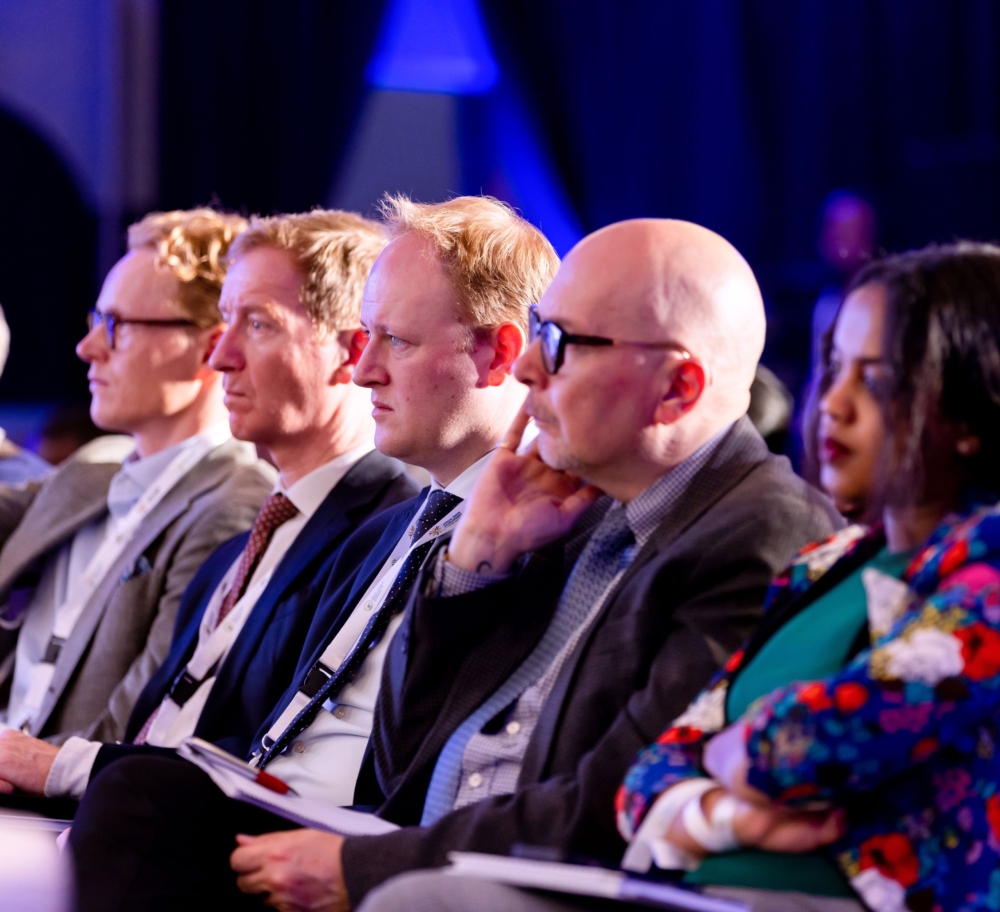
x=491, y=763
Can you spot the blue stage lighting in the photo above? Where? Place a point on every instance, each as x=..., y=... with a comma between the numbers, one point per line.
x=433, y=46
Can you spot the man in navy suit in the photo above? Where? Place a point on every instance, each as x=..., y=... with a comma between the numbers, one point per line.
x=445, y=311
x=291, y=303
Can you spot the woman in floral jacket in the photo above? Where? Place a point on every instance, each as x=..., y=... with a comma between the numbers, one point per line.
x=859, y=727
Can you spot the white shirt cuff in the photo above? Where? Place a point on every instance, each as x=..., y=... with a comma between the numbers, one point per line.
x=70, y=771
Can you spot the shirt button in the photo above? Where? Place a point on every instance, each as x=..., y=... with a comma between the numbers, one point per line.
x=298, y=747
x=340, y=712
x=513, y=728
x=475, y=780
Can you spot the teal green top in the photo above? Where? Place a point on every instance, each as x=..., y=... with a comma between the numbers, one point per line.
x=812, y=645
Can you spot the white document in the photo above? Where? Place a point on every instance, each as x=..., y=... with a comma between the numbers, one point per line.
x=244, y=783
x=584, y=881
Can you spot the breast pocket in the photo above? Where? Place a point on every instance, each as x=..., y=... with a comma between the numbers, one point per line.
x=141, y=567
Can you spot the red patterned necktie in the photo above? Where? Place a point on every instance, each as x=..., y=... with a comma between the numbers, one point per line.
x=277, y=509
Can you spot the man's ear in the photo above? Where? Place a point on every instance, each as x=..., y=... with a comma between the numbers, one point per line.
x=216, y=333
x=508, y=343
x=687, y=383
x=353, y=341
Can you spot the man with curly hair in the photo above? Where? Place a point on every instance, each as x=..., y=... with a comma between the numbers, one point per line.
x=97, y=554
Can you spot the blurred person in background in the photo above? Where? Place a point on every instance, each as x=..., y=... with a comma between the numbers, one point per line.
x=103, y=548
x=846, y=242
x=67, y=429
x=849, y=750
x=17, y=465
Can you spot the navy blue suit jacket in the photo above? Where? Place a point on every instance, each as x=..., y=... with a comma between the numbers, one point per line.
x=357, y=565
x=263, y=658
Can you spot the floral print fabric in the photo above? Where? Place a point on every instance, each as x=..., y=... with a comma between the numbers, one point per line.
x=905, y=736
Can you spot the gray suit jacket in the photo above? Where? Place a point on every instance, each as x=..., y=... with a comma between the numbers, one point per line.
x=124, y=632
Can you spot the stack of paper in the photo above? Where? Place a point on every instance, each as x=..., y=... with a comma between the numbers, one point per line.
x=241, y=781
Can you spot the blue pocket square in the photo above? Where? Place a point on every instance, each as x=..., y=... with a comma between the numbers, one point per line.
x=141, y=566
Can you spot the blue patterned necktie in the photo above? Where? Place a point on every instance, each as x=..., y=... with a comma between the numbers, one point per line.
x=439, y=504
x=606, y=554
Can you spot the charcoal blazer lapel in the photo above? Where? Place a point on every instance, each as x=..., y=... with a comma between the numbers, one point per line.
x=207, y=474
x=526, y=616
x=739, y=452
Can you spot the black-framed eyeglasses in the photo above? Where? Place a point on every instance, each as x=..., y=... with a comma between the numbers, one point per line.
x=554, y=339
x=110, y=321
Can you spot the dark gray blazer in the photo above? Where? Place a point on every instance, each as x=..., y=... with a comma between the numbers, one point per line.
x=690, y=597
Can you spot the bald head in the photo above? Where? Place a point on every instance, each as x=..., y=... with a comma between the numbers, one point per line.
x=664, y=279
x=619, y=416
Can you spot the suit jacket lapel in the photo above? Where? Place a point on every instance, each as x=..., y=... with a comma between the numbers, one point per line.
x=739, y=452
x=204, y=476
x=77, y=496
x=326, y=526
x=543, y=575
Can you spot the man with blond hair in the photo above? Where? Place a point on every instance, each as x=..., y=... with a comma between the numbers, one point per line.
x=92, y=575
x=291, y=302
x=445, y=313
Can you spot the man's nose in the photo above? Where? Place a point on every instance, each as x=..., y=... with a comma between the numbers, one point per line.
x=368, y=372
x=226, y=355
x=93, y=346
x=529, y=368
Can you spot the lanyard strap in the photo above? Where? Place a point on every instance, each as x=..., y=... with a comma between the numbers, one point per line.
x=347, y=638
x=117, y=538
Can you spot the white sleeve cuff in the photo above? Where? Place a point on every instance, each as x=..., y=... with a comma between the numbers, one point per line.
x=70, y=771
x=649, y=845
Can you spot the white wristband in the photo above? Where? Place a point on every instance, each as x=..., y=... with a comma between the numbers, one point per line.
x=649, y=844
x=715, y=835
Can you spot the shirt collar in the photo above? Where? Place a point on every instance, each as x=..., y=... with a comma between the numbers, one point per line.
x=463, y=485
x=645, y=512
x=312, y=489
x=129, y=483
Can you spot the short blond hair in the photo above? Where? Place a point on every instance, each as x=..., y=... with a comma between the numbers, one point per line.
x=335, y=251
x=192, y=244
x=498, y=262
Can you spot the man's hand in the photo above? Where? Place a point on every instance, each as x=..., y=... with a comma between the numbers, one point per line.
x=24, y=762
x=519, y=504
x=297, y=870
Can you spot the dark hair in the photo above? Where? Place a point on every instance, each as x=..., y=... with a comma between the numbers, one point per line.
x=942, y=344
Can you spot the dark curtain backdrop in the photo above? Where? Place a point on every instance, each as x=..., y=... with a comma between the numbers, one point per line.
x=258, y=98
x=744, y=114
x=48, y=248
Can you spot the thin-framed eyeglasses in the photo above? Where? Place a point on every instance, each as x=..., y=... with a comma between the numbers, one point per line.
x=111, y=320
x=554, y=339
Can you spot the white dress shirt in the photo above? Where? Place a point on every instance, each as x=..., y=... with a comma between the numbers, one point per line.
x=71, y=769
x=324, y=761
